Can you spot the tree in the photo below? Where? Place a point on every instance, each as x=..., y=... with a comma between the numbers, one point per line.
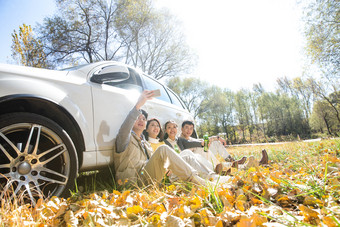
x=81, y=31
x=153, y=39
x=323, y=118
x=191, y=90
x=216, y=110
x=26, y=49
x=281, y=115
x=299, y=88
x=242, y=107
x=260, y=93
x=322, y=33
x=123, y=30
x=227, y=114
x=321, y=90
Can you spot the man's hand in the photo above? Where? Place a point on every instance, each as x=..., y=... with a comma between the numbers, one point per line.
x=217, y=138
x=144, y=96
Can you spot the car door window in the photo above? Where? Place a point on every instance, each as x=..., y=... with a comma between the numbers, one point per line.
x=151, y=84
x=175, y=100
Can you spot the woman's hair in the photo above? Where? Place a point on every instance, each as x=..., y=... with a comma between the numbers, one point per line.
x=166, y=124
x=160, y=134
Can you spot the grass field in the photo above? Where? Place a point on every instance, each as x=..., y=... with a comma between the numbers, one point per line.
x=300, y=187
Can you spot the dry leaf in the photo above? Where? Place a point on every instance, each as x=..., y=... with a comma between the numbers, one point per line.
x=246, y=222
x=255, y=200
x=241, y=197
x=219, y=224
x=173, y=221
x=240, y=204
x=283, y=200
x=62, y=208
x=310, y=215
x=195, y=203
x=207, y=217
x=276, y=180
x=123, y=222
x=258, y=219
x=311, y=201
x=173, y=201
x=330, y=222
x=154, y=219
x=70, y=219
x=134, y=210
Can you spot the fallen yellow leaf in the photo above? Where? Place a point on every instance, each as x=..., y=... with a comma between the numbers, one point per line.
x=70, y=219
x=134, y=210
x=258, y=219
x=255, y=200
x=240, y=205
x=207, y=217
x=246, y=222
x=311, y=201
x=307, y=211
x=329, y=221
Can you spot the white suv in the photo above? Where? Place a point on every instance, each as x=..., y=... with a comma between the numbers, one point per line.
x=54, y=124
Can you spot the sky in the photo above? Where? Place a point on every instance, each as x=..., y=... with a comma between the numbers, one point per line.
x=238, y=42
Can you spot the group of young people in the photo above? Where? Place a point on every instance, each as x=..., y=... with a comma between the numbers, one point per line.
x=143, y=154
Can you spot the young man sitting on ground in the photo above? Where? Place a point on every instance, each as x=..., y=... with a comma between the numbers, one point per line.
x=216, y=148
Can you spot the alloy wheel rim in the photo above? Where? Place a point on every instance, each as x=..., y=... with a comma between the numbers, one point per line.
x=34, y=162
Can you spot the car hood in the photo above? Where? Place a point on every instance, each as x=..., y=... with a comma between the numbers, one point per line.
x=30, y=71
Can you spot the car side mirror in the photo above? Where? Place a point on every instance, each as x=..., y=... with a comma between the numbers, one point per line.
x=112, y=73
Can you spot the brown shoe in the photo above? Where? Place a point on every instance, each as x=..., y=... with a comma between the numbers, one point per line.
x=218, y=168
x=225, y=173
x=242, y=160
x=235, y=165
x=239, y=162
x=229, y=159
x=264, y=159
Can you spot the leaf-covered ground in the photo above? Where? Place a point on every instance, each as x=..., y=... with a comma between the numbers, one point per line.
x=301, y=186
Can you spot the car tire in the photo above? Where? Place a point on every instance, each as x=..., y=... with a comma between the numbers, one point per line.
x=37, y=158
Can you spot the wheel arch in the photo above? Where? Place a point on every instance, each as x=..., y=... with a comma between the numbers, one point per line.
x=49, y=109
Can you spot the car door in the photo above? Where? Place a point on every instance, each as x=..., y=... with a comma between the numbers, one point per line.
x=112, y=101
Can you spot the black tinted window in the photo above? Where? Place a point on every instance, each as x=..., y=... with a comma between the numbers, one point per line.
x=151, y=84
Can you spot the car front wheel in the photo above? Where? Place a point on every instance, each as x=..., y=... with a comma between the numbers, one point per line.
x=37, y=158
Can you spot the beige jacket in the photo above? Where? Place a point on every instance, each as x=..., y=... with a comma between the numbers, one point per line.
x=129, y=156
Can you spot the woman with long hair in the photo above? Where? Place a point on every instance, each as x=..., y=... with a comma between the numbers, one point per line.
x=154, y=133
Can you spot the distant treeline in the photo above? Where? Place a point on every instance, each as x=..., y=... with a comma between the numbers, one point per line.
x=298, y=109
